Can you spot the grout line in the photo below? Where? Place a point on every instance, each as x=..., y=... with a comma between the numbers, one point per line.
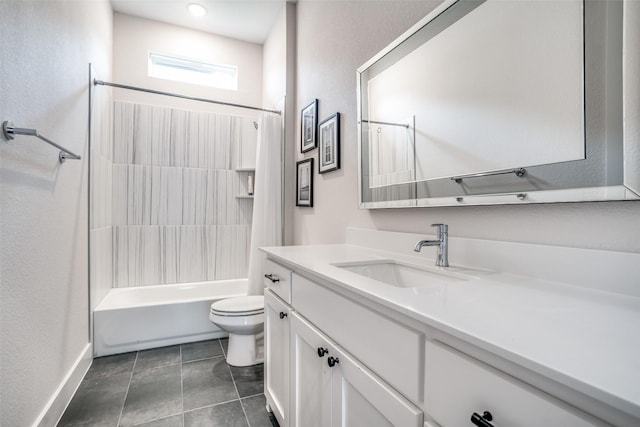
x=156, y=419
x=181, y=385
x=128, y=387
x=253, y=395
x=212, y=405
x=204, y=358
x=237, y=393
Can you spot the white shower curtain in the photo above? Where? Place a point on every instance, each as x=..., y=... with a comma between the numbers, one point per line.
x=266, y=227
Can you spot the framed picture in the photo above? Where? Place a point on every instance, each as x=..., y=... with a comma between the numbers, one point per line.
x=304, y=183
x=309, y=124
x=329, y=152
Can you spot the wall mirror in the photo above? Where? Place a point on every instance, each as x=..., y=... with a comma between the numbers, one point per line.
x=494, y=102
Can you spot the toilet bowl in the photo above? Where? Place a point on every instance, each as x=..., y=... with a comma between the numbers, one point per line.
x=243, y=319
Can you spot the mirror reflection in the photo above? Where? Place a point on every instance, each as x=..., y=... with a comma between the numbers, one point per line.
x=490, y=98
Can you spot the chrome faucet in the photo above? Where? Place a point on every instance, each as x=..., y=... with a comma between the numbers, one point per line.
x=442, y=243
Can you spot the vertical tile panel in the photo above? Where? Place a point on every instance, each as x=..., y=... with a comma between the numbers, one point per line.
x=223, y=141
x=156, y=198
x=212, y=250
x=171, y=188
x=134, y=254
x=120, y=196
x=142, y=134
x=169, y=251
x=101, y=263
x=231, y=252
x=191, y=254
x=150, y=255
x=121, y=256
x=123, y=131
x=192, y=150
x=179, y=138
x=194, y=195
x=139, y=195
x=211, y=193
x=206, y=140
x=161, y=147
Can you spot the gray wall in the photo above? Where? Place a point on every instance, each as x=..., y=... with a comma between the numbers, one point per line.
x=334, y=39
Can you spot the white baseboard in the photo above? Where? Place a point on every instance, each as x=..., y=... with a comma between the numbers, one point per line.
x=56, y=406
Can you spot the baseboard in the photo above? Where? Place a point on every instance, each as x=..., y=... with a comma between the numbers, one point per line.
x=56, y=406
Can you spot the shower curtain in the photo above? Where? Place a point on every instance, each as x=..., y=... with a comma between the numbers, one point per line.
x=266, y=226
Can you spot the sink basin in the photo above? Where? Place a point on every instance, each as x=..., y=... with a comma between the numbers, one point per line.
x=398, y=274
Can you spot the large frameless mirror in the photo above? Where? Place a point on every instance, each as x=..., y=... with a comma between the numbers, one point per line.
x=494, y=102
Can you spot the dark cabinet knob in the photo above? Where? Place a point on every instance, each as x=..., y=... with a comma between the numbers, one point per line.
x=322, y=351
x=273, y=277
x=332, y=361
x=482, y=420
x=283, y=314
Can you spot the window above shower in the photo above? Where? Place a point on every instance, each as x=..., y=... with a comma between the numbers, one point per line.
x=188, y=70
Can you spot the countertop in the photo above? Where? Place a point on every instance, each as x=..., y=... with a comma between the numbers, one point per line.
x=588, y=340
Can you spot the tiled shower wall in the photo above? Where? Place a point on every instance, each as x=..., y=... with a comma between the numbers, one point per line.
x=178, y=213
x=101, y=230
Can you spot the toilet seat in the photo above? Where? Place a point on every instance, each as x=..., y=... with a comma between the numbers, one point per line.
x=240, y=306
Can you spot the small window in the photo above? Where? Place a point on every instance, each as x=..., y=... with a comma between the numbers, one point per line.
x=169, y=67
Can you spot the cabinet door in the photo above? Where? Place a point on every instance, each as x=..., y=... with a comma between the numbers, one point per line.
x=311, y=377
x=276, y=370
x=361, y=399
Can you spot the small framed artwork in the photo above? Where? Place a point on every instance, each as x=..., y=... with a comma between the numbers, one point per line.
x=309, y=124
x=304, y=183
x=329, y=152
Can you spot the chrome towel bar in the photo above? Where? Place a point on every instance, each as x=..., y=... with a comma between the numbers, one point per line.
x=9, y=131
x=519, y=172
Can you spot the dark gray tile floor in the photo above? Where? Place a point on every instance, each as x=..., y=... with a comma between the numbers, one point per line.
x=178, y=386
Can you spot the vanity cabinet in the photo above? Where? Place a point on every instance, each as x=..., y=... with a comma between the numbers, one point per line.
x=331, y=388
x=333, y=358
x=277, y=311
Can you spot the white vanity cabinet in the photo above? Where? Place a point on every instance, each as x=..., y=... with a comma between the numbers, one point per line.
x=277, y=312
x=348, y=361
x=331, y=388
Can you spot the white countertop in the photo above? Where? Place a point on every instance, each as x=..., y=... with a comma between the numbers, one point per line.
x=588, y=340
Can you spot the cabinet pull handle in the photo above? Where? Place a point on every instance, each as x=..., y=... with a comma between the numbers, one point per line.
x=482, y=420
x=322, y=351
x=273, y=277
x=283, y=314
x=332, y=361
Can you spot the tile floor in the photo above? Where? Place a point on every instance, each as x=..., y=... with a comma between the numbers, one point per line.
x=177, y=386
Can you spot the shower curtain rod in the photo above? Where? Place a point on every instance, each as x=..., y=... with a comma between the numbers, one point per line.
x=158, y=92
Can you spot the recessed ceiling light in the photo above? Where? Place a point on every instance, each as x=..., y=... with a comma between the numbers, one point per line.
x=197, y=10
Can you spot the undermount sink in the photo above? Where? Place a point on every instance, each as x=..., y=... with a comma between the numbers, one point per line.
x=398, y=274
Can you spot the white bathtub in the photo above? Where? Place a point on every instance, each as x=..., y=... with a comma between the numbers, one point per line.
x=138, y=318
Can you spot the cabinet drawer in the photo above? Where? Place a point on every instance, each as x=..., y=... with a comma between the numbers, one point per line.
x=390, y=349
x=279, y=281
x=456, y=386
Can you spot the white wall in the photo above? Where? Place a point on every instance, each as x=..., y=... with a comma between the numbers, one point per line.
x=46, y=48
x=327, y=57
x=134, y=37
x=279, y=58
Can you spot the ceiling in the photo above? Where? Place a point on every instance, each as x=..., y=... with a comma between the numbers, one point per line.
x=248, y=20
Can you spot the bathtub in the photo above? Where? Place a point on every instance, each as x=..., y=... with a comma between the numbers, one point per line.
x=137, y=318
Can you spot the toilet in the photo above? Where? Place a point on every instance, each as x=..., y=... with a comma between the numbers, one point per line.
x=243, y=319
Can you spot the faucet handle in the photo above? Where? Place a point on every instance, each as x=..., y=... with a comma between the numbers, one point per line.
x=442, y=228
